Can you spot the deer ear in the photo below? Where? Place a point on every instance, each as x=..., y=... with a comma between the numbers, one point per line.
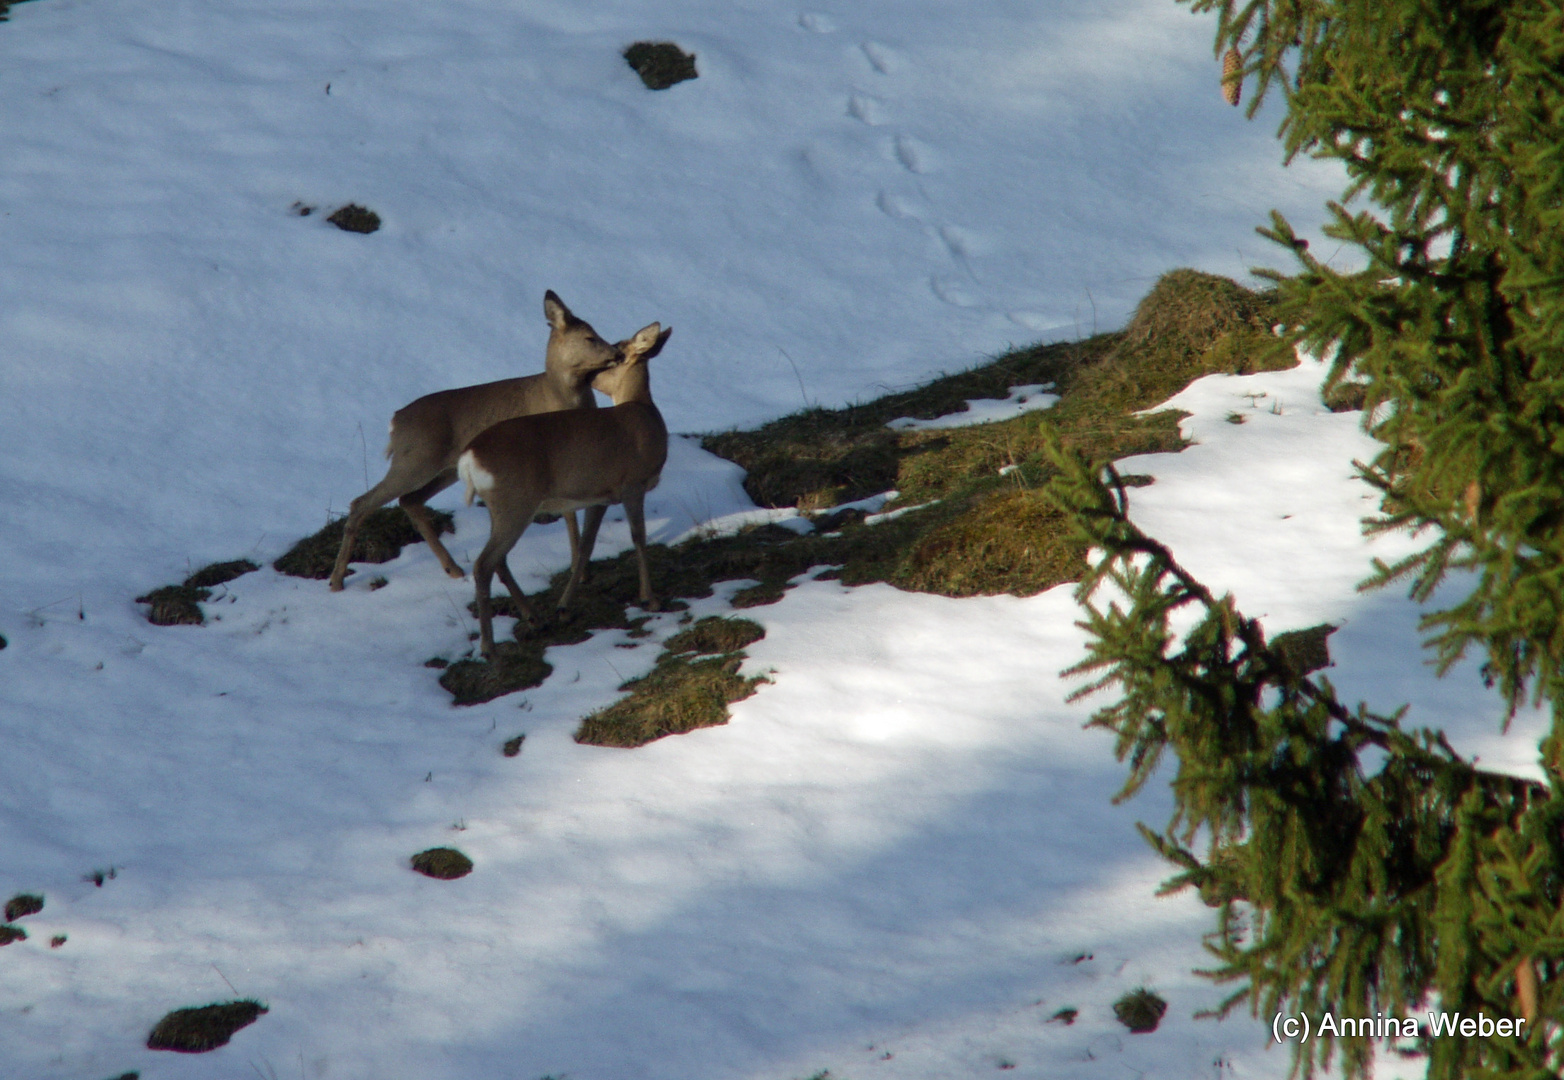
x=555, y=311
x=646, y=343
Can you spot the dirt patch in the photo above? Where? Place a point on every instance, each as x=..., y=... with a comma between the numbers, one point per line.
x=195, y=1031
x=382, y=537
x=354, y=218
x=660, y=64
x=444, y=863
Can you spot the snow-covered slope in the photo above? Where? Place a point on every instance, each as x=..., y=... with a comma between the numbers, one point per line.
x=899, y=859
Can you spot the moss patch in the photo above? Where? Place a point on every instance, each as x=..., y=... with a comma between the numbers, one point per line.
x=354, y=218
x=381, y=538
x=180, y=605
x=444, y=863
x=195, y=1031
x=21, y=905
x=695, y=680
x=660, y=64
x=1140, y=1010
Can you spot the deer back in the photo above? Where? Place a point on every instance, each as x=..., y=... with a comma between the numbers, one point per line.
x=568, y=459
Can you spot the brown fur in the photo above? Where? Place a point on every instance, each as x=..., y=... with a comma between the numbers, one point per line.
x=564, y=461
x=428, y=434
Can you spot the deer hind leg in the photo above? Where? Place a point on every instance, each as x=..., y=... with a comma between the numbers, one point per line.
x=358, y=510
x=581, y=554
x=423, y=520
x=504, y=530
x=573, y=531
x=635, y=511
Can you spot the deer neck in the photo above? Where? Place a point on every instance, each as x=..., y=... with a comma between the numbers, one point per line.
x=634, y=385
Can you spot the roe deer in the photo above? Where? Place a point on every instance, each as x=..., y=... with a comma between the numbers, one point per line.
x=427, y=435
x=562, y=461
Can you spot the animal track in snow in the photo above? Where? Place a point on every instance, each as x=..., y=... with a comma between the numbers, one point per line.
x=953, y=292
x=957, y=240
x=883, y=58
x=816, y=23
x=912, y=154
x=897, y=207
x=866, y=108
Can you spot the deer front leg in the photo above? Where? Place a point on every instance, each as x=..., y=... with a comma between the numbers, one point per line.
x=635, y=511
x=581, y=556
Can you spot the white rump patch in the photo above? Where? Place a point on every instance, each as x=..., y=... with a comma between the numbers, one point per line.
x=473, y=475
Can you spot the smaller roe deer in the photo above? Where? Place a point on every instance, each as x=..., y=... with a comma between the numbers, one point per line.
x=427, y=435
x=563, y=461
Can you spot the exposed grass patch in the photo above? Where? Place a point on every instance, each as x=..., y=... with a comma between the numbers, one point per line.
x=21, y=905
x=1065, y=1016
x=1346, y=397
x=444, y=863
x=1304, y=651
x=5, y=8
x=383, y=536
x=695, y=680
x=180, y=605
x=354, y=218
x=1140, y=1010
x=517, y=665
x=195, y=1031
x=512, y=746
x=985, y=528
x=660, y=64
x=715, y=634
x=220, y=573
x=9, y=933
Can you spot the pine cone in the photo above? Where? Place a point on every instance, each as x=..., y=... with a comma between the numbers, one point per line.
x=1232, y=75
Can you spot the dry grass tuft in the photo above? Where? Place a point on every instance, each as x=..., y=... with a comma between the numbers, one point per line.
x=695, y=680
x=180, y=605
x=195, y=1031
x=1140, y=1010
x=444, y=863
x=354, y=218
x=21, y=905
x=660, y=64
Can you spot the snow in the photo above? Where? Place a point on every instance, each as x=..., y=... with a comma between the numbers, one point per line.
x=1022, y=400
x=899, y=859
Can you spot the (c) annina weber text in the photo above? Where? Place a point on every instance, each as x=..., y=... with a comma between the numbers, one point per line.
x=1438, y=1025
